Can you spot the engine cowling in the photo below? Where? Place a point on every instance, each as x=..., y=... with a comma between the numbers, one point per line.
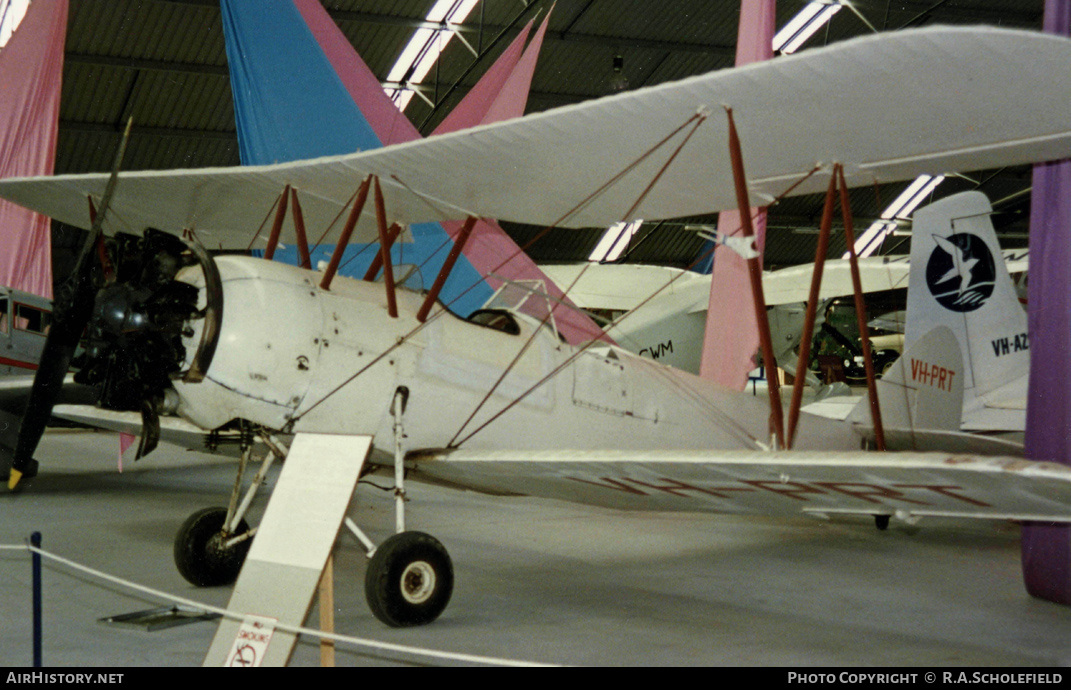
x=133, y=347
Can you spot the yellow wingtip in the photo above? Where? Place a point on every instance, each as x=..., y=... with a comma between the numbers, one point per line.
x=13, y=480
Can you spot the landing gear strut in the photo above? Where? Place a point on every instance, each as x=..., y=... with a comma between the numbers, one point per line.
x=212, y=544
x=410, y=577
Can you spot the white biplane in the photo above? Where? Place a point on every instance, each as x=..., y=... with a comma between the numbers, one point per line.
x=498, y=402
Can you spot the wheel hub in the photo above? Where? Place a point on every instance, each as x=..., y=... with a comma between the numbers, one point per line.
x=418, y=582
x=215, y=548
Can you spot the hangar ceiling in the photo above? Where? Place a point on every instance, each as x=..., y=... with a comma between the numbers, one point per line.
x=163, y=63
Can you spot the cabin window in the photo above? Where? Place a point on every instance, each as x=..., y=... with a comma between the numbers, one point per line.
x=31, y=319
x=496, y=319
x=3, y=315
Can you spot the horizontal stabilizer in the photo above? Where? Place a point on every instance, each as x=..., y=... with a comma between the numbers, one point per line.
x=923, y=389
x=946, y=441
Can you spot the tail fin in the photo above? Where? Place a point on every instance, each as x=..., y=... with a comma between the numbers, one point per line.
x=923, y=389
x=959, y=280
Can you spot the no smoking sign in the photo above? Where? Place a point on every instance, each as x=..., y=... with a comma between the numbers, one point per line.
x=251, y=643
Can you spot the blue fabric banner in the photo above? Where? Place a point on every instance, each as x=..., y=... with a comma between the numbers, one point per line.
x=290, y=104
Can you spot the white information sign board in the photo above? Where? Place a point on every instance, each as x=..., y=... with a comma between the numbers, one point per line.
x=293, y=542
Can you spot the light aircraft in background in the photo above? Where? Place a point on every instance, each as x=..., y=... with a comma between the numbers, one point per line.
x=669, y=327
x=261, y=350
x=24, y=323
x=25, y=319
x=959, y=281
x=668, y=306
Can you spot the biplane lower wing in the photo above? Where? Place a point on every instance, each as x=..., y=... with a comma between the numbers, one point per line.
x=907, y=485
x=970, y=483
x=887, y=107
x=173, y=430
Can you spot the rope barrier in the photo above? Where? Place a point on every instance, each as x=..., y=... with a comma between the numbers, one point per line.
x=298, y=630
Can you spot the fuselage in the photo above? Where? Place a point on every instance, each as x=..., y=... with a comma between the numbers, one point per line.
x=295, y=357
x=24, y=322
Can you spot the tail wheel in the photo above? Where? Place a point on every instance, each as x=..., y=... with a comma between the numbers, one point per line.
x=409, y=580
x=201, y=554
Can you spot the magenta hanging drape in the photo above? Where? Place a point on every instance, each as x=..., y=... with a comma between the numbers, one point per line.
x=732, y=335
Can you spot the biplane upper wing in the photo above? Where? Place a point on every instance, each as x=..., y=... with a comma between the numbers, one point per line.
x=887, y=107
x=908, y=485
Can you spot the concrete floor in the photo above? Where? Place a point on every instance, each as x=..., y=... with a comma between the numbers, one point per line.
x=537, y=580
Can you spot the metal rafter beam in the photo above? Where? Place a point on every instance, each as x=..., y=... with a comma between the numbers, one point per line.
x=136, y=131
x=146, y=64
x=874, y=8
x=474, y=27
x=1006, y=17
x=131, y=63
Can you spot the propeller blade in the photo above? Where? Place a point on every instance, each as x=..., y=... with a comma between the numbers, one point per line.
x=62, y=340
x=72, y=310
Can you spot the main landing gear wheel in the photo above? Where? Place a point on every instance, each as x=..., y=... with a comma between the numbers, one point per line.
x=881, y=522
x=200, y=553
x=409, y=580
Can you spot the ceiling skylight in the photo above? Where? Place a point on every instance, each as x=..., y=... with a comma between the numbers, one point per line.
x=11, y=13
x=804, y=25
x=900, y=209
x=614, y=241
x=424, y=48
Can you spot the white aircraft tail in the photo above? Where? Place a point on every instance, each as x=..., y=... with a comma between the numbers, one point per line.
x=959, y=279
x=923, y=389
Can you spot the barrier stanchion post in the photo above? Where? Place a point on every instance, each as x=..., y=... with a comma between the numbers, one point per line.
x=35, y=540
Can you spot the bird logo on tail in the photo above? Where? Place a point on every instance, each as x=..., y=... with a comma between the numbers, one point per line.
x=960, y=273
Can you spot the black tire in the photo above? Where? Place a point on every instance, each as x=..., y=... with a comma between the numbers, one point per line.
x=200, y=555
x=881, y=522
x=883, y=361
x=409, y=580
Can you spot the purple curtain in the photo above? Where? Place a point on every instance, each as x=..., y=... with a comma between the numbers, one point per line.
x=1046, y=549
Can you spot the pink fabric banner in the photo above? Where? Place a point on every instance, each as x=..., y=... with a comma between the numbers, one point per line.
x=501, y=93
x=513, y=96
x=389, y=123
x=504, y=96
x=125, y=441
x=731, y=335
x=31, y=72
x=475, y=108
